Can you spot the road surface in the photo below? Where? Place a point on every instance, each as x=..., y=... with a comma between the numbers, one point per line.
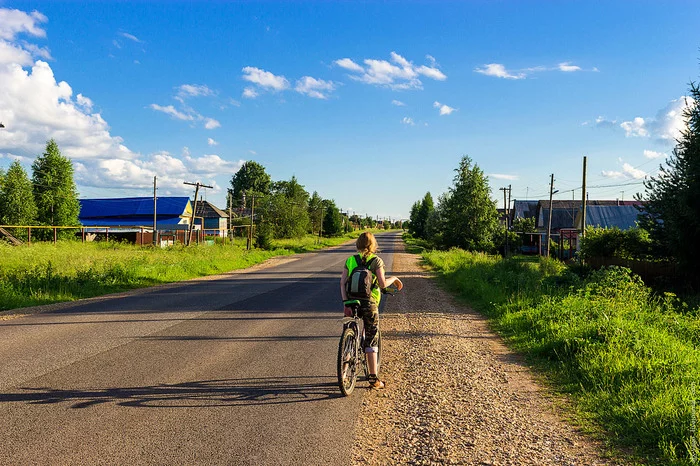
x=234, y=370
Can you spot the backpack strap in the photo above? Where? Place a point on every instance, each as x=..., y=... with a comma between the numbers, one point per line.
x=359, y=259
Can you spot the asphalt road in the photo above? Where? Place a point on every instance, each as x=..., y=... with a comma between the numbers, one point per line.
x=235, y=370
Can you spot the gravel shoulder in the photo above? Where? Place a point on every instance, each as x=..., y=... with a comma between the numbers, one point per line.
x=455, y=393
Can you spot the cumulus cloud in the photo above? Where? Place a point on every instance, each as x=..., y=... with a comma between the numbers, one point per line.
x=408, y=121
x=627, y=172
x=316, y=88
x=499, y=70
x=397, y=74
x=186, y=112
x=211, y=123
x=194, y=90
x=444, y=109
x=650, y=154
x=398, y=103
x=665, y=127
x=250, y=93
x=35, y=107
x=212, y=142
x=265, y=79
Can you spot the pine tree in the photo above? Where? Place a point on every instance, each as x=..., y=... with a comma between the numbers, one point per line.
x=17, y=205
x=671, y=212
x=55, y=193
x=469, y=214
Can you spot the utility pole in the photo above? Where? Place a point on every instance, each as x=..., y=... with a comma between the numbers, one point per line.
x=229, y=233
x=155, y=200
x=505, y=212
x=549, y=223
x=252, y=216
x=583, y=200
x=194, y=208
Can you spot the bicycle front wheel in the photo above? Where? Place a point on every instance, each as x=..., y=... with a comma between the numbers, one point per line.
x=347, y=361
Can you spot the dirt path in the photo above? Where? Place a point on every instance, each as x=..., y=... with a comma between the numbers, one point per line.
x=455, y=394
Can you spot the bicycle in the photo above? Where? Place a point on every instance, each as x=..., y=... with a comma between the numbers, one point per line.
x=351, y=356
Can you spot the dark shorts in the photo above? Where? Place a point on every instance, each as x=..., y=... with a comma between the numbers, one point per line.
x=369, y=312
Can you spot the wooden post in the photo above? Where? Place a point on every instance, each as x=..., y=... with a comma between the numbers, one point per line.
x=29, y=236
x=107, y=234
x=82, y=233
x=549, y=223
x=55, y=235
x=155, y=224
x=583, y=201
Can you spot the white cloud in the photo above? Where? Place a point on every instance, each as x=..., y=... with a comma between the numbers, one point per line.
x=636, y=127
x=628, y=172
x=498, y=70
x=650, y=154
x=316, y=88
x=602, y=122
x=212, y=142
x=500, y=176
x=194, y=90
x=14, y=22
x=396, y=74
x=265, y=79
x=130, y=37
x=398, y=103
x=250, y=93
x=408, y=121
x=211, y=123
x=172, y=111
x=444, y=109
x=348, y=64
x=567, y=67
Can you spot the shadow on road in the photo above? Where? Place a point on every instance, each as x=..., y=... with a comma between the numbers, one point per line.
x=198, y=394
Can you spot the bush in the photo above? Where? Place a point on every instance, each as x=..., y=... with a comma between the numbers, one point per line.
x=634, y=243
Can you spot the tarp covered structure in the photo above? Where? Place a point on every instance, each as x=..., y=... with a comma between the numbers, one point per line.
x=135, y=211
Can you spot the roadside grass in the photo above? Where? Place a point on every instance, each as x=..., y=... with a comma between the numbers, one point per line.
x=44, y=273
x=628, y=359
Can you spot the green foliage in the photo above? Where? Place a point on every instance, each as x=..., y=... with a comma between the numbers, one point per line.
x=420, y=213
x=332, y=220
x=251, y=178
x=634, y=243
x=55, y=194
x=264, y=235
x=672, y=205
x=524, y=225
x=17, y=205
x=315, y=212
x=629, y=359
x=285, y=210
x=469, y=215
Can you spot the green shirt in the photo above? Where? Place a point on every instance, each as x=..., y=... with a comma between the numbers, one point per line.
x=374, y=263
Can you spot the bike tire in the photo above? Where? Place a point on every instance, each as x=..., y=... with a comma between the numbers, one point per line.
x=347, y=361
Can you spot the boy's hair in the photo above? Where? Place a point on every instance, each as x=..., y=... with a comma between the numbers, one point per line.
x=366, y=244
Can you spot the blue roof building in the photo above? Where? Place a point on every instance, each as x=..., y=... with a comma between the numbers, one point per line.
x=136, y=212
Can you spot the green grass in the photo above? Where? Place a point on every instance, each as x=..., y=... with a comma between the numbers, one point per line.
x=44, y=273
x=628, y=359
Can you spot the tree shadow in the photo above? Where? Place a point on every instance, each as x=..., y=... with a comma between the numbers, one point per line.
x=197, y=394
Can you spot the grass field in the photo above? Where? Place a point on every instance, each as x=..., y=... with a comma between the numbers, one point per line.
x=44, y=273
x=628, y=359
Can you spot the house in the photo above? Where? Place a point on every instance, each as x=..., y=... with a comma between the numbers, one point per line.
x=623, y=217
x=215, y=220
x=131, y=218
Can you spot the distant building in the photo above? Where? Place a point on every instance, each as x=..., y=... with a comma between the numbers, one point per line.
x=131, y=218
x=215, y=219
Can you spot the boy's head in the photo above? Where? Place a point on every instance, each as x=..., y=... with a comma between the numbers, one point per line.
x=366, y=243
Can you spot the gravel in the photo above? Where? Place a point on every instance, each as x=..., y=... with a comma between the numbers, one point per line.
x=455, y=394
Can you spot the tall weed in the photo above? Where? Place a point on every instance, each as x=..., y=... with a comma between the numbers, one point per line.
x=629, y=359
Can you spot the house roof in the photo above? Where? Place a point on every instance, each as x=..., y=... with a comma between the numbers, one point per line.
x=623, y=217
x=524, y=209
x=133, y=211
x=206, y=209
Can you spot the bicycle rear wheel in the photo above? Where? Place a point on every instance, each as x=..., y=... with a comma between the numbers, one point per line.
x=347, y=361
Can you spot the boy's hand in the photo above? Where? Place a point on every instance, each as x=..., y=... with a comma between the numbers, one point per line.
x=398, y=284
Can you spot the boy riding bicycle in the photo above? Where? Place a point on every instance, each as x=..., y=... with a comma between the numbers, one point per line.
x=366, y=246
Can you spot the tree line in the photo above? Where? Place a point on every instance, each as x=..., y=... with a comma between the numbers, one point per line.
x=49, y=198
x=668, y=224
x=285, y=209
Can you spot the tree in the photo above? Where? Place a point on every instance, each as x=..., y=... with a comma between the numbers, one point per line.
x=55, y=193
x=315, y=211
x=469, y=214
x=17, y=206
x=332, y=220
x=250, y=178
x=286, y=209
x=671, y=212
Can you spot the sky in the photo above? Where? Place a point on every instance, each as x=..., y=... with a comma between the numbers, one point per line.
x=371, y=104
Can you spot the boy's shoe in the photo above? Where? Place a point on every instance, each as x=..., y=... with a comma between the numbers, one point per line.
x=374, y=382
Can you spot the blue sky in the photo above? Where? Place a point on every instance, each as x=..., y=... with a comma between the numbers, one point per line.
x=371, y=104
